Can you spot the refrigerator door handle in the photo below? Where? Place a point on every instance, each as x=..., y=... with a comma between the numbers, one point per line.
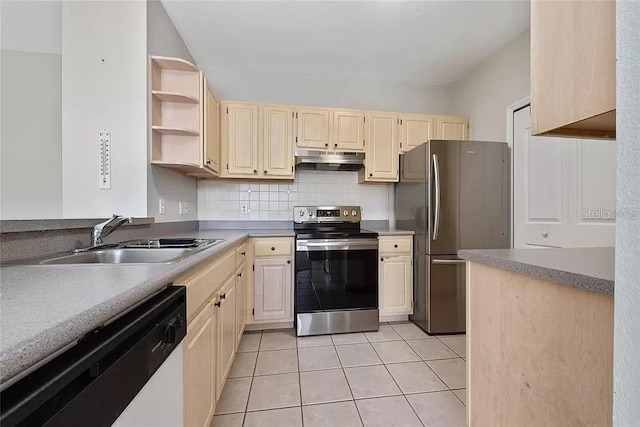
x=449, y=261
x=436, y=180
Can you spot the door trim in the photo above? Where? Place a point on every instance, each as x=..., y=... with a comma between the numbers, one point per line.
x=511, y=109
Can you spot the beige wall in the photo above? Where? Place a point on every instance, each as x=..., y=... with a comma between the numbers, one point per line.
x=484, y=93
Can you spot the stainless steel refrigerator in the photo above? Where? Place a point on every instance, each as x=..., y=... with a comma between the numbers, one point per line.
x=454, y=195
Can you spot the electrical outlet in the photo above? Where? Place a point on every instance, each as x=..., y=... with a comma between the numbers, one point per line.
x=183, y=208
x=244, y=208
x=162, y=207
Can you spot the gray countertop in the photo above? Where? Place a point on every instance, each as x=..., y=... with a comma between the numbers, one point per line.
x=591, y=269
x=45, y=308
x=390, y=231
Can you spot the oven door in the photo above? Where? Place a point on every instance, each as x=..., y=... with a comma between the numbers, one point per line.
x=336, y=274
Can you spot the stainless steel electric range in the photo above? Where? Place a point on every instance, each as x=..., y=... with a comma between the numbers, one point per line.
x=336, y=271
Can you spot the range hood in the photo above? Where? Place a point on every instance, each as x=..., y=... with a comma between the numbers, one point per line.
x=328, y=160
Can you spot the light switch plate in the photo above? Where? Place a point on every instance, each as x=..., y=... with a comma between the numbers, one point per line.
x=162, y=207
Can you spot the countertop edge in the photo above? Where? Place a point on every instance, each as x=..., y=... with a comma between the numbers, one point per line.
x=555, y=275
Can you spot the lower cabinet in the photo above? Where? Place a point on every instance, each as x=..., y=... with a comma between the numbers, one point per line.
x=226, y=329
x=199, y=368
x=395, y=275
x=396, y=284
x=273, y=295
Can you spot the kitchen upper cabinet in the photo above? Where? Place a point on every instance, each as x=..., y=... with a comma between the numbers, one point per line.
x=211, y=131
x=313, y=126
x=199, y=373
x=240, y=140
x=416, y=129
x=396, y=284
x=381, y=155
x=241, y=302
x=273, y=290
x=573, y=68
x=348, y=130
x=226, y=329
x=277, y=141
x=180, y=131
x=452, y=128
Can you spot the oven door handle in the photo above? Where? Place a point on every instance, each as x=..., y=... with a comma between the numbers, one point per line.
x=336, y=245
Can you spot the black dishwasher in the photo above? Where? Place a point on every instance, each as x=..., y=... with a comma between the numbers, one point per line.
x=93, y=382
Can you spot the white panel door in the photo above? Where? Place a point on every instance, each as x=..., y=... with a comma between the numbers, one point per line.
x=540, y=189
x=561, y=186
x=273, y=290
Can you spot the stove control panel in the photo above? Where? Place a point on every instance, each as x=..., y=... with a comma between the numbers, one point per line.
x=302, y=214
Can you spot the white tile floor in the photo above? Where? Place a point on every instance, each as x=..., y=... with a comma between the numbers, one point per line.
x=398, y=376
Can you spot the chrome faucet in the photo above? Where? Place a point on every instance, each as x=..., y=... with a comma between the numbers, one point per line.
x=102, y=230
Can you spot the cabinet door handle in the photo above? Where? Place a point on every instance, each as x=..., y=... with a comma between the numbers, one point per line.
x=370, y=174
x=326, y=145
x=273, y=248
x=243, y=253
x=395, y=246
x=335, y=145
x=265, y=172
x=208, y=162
x=217, y=304
x=288, y=261
x=381, y=259
x=223, y=296
x=239, y=274
x=255, y=171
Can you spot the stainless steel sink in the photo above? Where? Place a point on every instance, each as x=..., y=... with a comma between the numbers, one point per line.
x=156, y=251
x=121, y=256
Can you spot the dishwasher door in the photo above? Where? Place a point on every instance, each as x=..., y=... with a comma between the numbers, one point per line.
x=159, y=403
x=94, y=382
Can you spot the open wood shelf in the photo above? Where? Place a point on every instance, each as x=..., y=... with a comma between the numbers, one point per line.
x=177, y=165
x=165, y=130
x=174, y=97
x=176, y=64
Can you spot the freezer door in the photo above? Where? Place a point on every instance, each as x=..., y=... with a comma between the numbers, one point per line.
x=446, y=294
x=443, y=199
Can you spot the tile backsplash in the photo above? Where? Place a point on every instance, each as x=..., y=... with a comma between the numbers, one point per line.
x=232, y=200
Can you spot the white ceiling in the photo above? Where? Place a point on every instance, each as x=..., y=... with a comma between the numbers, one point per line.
x=428, y=42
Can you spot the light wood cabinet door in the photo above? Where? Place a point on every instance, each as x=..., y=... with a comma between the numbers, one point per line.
x=273, y=298
x=381, y=159
x=277, y=140
x=199, y=368
x=240, y=139
x=396, y=285
x=211, y=131
x=226, y=329
x=348, y=130
x=416, y=129
x=313, y=126
x=241, y=303
x=573, y=68
x=452, y=128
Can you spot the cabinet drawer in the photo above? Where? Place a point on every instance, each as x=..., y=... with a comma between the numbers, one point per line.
x=276, y=247
x=395, y=244
x=200, y=288
x=241, y=254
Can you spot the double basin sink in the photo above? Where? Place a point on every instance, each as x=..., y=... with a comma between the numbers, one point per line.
x=134, y=252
